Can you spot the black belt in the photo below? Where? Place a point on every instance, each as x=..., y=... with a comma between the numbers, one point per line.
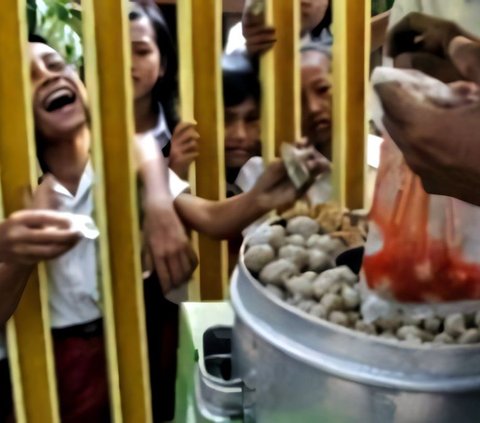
x=84, y=330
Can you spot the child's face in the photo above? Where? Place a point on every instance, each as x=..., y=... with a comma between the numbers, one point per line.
x=242, y=133
x=317, y=101
x=146, y=58
x=58, y=95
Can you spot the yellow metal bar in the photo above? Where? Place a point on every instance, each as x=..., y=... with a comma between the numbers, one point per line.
x=15, y=375
x=29, y=336
x=17, y=389
x=114, y=88
x=268, y=78
x=91, y=76
x=286, y=15
x=351, y=27
x=206, y=30
x=186, y=88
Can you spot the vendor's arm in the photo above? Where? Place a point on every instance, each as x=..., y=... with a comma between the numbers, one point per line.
x=172, y=253
x=26, y=238
x=224, y=219
x=440, y=144
x=422, y=42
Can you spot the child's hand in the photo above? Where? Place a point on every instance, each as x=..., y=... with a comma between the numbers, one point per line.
x=30, y=236
x=172, y=254
x=275, y=190
x=184, y=148
x=259, y=38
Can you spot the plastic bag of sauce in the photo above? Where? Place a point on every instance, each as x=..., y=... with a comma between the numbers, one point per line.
x=426, y=255
x=421, y=248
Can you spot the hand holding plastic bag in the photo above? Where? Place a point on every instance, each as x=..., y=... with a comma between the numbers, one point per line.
x=421, y=249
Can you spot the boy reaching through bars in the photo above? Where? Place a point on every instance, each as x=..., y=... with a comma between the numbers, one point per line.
x=63, y=146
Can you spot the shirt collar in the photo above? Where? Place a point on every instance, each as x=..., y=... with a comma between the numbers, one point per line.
x=85, y=184
x=161, y=132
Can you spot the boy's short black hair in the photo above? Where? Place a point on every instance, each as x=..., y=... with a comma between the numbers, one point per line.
x=240, y=80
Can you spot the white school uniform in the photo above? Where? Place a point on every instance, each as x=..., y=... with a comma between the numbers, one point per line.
x=161, y=132
x=73, y=277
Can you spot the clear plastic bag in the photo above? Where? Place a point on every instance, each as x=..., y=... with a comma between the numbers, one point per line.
x=423, y=251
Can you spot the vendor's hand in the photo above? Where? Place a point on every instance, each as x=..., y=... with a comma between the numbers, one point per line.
x=274, y=189
x=172, y=254
x=435, y=66
x=184, y=148
x=422, y=42
x=439, y=144
x=465, y=56
x=30, y=236
x=259, y=38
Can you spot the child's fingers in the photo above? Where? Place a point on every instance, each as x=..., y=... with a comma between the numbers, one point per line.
x=254, y=31
x=182, y=127
x=186, y=137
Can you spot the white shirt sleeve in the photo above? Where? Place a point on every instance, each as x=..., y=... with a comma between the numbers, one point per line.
x=177, y=186
x=235, y=40
x=249, y=173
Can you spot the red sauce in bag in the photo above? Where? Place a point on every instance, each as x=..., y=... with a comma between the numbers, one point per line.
x=421, y=257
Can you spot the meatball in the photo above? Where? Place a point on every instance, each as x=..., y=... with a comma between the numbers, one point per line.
x=278, y=272
x=258, y=256
x=298, y=255
x=273, y=235
x=300, y=285
x=302, y=225
x=455, y=324
x=318, y=261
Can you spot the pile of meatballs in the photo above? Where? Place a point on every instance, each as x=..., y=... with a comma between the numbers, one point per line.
x=295, y=261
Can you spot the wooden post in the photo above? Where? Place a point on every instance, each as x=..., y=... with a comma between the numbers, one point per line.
x=29, y=336
x=351, y=49
x=286, y=15
x=116, y=106
x=186, y=78
x=206, y=30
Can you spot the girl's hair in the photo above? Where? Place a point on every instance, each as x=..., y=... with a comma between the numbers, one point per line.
x=165, y=90
x=34, y=38
x=240, y=80
x=325, y=23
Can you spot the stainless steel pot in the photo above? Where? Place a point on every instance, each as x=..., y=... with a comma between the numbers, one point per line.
x=296, y=368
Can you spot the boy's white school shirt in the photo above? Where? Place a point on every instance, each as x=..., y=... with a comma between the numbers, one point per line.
x=73, y=277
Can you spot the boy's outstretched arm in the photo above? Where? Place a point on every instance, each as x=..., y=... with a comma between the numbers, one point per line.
x=169, y=245
x=227, y=218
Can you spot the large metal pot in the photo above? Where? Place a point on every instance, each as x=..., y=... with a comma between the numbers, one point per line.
x=296, y=368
